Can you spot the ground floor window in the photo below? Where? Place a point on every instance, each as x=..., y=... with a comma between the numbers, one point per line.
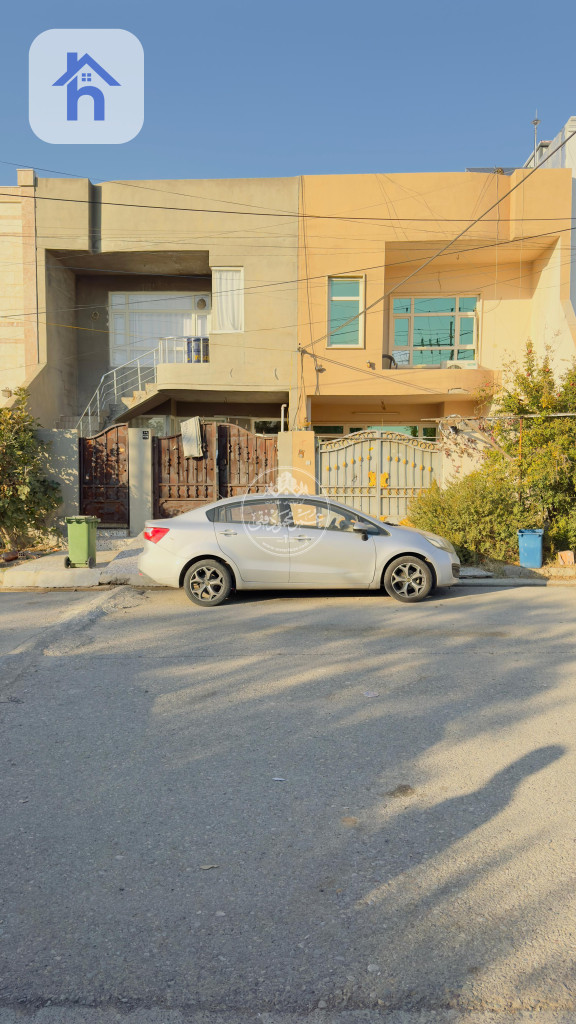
x=424, y=433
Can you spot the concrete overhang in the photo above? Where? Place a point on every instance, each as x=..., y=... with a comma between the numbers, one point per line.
x=224, y=399
x=166, y=263
x=418, y=385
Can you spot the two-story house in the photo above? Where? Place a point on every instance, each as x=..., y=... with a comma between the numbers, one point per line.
x=399, y=326
x=150, y=302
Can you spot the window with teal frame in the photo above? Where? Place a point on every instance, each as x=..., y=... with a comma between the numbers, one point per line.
x=345, y=302
x=435, y=330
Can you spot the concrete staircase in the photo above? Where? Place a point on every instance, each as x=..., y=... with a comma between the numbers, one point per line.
x=125, y=386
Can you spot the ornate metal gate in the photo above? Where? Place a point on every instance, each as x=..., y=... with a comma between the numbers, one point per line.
x=246, y=462
x=104, y=476
x=234, y=461
x=377, y=473
x=180, y=484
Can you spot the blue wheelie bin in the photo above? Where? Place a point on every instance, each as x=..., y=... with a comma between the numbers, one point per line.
x=530, y=545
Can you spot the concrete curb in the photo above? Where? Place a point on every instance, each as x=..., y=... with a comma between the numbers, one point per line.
x=122, y=570
x=508, y=581
x=24, y=578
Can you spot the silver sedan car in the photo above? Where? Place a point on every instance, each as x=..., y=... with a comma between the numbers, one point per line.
x=275, y=542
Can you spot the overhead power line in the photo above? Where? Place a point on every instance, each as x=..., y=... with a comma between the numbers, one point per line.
x=267, y=284
x=448, y=245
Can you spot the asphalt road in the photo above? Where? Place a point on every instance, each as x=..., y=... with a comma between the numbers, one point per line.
x=288, y=805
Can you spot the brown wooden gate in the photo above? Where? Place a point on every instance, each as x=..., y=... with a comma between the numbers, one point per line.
x=104, y=476
x=235, y=461
x=180, y=484
x=247, y=463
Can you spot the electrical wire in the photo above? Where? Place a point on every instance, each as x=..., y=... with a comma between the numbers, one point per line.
x=278, y=284
x=445, y=248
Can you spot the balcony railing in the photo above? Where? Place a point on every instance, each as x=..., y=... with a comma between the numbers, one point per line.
x=126, y=379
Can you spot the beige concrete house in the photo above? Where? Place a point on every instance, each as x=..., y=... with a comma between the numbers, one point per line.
x=398, y=324
x=149, y=301
x=358, y=311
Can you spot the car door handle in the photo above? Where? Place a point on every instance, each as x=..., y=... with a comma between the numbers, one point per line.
x=227, y=533
x=303, y=538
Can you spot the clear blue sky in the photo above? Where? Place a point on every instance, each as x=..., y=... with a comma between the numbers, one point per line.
x=246, y=88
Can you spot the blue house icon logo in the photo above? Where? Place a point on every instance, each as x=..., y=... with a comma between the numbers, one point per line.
x=81, y=70
x=86, y=86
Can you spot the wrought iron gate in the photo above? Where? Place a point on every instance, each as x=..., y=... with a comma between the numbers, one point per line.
x=104, y=476
x=377, y=473
x=234, y=461
x=246, y=462
x=180, y=484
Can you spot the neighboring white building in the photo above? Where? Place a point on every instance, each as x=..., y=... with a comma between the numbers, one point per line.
x=565, y=157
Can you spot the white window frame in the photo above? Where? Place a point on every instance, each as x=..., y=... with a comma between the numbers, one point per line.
x=475, y=316
x=215, y=329
x=124, y=310
x=361, y=278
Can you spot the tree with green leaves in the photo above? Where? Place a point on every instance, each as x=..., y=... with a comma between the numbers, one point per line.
x=27, y=498
x=528, y=476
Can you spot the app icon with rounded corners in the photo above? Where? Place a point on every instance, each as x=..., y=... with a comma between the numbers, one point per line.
x=86, y=86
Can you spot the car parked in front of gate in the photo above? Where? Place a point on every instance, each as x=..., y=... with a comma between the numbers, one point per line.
x=276, y=542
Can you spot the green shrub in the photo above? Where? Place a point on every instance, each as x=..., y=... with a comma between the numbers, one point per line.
x=527, y=480
x=27, y=499
x=479, y=514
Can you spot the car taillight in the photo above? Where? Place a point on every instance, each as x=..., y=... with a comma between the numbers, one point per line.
x=155, y=533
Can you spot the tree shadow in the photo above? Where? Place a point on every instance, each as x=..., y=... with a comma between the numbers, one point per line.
x=214, y=788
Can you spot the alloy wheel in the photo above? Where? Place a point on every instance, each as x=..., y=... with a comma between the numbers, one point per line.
x=207, y=583
x=408, y=580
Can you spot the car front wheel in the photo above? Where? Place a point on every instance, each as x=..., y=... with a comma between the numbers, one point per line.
x=408, y=579
x=208, y=582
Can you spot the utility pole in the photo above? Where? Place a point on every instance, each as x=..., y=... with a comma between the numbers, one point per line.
x=535, y=122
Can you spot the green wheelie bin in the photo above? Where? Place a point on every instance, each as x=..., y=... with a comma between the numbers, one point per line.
x=81, y=542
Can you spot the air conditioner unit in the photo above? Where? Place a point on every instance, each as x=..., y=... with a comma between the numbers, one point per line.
x=463, y=364
x=202, y=303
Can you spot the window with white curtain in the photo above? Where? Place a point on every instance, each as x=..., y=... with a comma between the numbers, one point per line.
x=227, y=299
x=138, y=320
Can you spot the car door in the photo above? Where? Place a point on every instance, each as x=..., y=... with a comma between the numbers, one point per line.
x=252, y=533
x=324, y=550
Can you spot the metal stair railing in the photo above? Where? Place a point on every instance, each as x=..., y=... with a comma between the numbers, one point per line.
x=127, y=378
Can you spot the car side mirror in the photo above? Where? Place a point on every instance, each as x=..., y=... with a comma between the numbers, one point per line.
x=365, y=529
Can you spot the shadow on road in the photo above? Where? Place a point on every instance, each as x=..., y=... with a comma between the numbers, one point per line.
x=290, y=799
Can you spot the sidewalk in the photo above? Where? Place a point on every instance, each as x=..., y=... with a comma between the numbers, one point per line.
x=120, y=568
x=113, y=568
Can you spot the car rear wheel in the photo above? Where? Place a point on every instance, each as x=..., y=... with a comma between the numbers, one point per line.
x=208, y=582
x=408, y=579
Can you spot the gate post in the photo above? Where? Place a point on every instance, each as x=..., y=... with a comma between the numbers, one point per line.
x=297, y=461
x=140, y=478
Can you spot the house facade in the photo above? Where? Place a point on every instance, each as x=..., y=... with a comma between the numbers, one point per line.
x=150, y=302
x=313, y=308
x=394, y=336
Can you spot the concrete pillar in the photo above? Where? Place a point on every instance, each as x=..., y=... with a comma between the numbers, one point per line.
x=297, y=462
x=140, y=478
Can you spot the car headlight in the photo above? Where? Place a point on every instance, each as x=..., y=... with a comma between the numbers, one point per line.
x=440, y=542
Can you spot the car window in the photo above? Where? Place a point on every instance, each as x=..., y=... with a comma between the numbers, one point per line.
x=319, y=516
x=259, y=513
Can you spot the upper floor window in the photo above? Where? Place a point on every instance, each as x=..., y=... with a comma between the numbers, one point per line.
x=228, y=299
x=139, y=320
x=429, y=332
x=345, y=302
